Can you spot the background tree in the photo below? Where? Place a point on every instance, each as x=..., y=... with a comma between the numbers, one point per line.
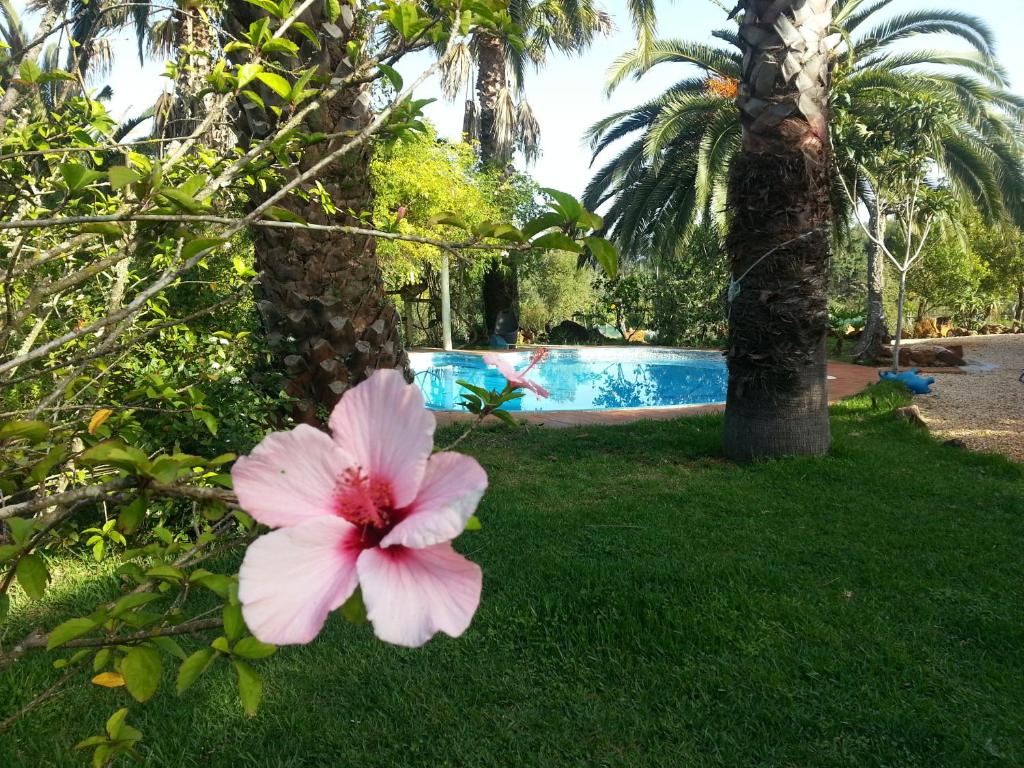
x=673, y=173
x=779, y=193
x=500, y=118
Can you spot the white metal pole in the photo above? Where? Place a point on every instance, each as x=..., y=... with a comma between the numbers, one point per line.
x=446, y=304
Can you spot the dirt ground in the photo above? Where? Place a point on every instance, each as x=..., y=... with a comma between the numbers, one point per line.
x=985, y=410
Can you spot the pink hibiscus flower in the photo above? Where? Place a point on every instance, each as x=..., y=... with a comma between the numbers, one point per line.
x=516, y=378
x=368, y=506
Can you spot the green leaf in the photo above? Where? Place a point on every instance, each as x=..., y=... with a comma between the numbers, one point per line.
x=542, y=222
x=33, y=431
x=132, y=515
x=280, y=45
x=332, y=10
x=20, y=528
x=250, y=686
x=473, y=523
x=101, y=659
x=117, y=454
x=78, y=177
x=29, y=71
x=32, y=575
x=121, y=176
x=141, y=669
x=251, y=648
x=169, y=646
x=108, y=229
x=605, y=255
x=182, y=199
x=247, y=73
x=5, y=607
x=565, y=204
x=277, y=213
x=392, y=75
x=274, y=9
x=506, y=417
x=115, y=722
x=193, y=667
x=451, y=220
x=130, y=601
x=199, y=245
x=167, y=572
x=69, y=630
x=556, y=241
x=234, y=625
x=217, y=583
x=354, y=609
x=276, y=83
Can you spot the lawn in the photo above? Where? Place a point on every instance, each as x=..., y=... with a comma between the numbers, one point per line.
x=648, y=604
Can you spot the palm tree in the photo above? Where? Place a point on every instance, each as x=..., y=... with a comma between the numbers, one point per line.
x=675, y=171
x=499, y=122
x=778, y=238
x=186, y=34
x=322, y=296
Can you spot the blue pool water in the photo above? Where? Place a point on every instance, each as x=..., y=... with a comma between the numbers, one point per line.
x=596, y=378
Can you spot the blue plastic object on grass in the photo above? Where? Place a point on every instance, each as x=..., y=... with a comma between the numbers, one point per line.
x=915, y=382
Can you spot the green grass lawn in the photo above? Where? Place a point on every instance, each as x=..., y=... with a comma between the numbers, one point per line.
x=648, y=604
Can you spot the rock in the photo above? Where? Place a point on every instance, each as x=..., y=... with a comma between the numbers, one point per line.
x=960, y=332
x=926, y=329
x=924, y=357
x=568, y=332
x=951, y=354
x=909, y=413
x=992, y=329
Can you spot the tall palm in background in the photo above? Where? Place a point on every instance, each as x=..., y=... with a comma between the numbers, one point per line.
x=499, y=118
x=674, y=172
x=187, y=35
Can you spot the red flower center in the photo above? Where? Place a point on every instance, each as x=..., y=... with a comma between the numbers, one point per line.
x=367, y=504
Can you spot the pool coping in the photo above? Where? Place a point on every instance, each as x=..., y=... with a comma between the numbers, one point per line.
x=846, y=380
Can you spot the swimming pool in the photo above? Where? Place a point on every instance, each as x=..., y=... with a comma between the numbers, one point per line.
x=595, y=378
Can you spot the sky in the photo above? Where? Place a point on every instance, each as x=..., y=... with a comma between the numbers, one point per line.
x=569, y=95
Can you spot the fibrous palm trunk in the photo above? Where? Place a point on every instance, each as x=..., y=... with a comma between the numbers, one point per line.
x=876, y=329
x=777, y=402
x=501, y=284
x=188, y=108
x=321, y=294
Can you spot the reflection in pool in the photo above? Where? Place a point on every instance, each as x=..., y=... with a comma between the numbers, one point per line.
x=595, y=378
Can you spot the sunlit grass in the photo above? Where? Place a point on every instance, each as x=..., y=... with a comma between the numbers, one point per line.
x=648, y=604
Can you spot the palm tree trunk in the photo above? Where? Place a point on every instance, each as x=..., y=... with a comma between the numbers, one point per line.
x=501, y=284
x=321, y=294
x=777, y=403
x=188, y=109
x=876, y=328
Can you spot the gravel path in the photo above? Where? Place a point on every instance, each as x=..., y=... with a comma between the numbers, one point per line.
x=985, y=410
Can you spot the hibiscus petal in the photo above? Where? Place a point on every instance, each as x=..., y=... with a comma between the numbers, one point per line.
x=383, y=424
x=501, y=363
x=292, y=578
x=289, y=477
x=451, y=489
x=411, y=594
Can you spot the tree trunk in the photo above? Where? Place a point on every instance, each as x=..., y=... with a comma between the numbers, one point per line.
x=321, y=294
x=777, y=402
x=188, y=109
x=501, y=284
x=900, y=301
x=876, y=328
x=1019, y=314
